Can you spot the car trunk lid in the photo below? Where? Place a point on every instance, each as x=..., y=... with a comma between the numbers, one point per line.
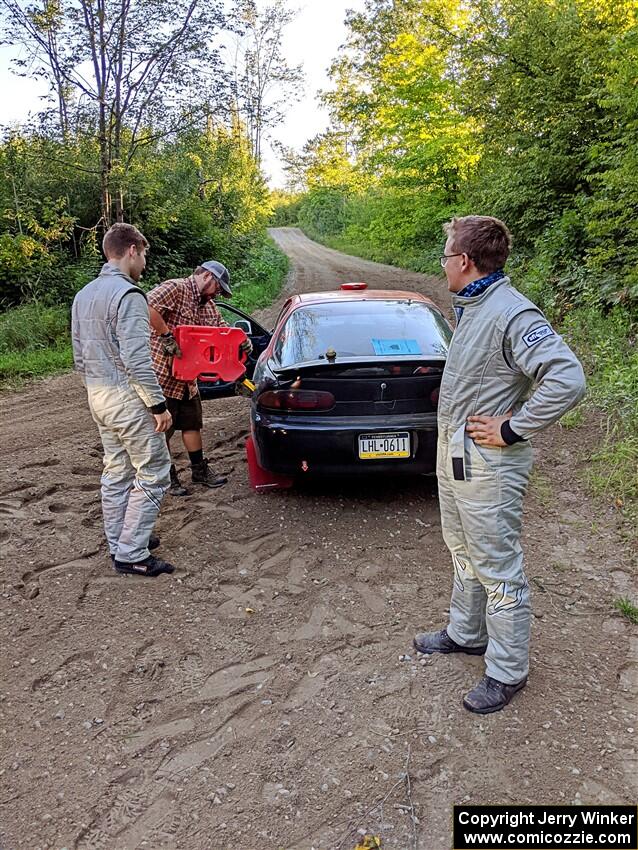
x=368, y=388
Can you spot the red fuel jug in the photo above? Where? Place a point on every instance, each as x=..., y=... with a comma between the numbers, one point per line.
x=210, y=354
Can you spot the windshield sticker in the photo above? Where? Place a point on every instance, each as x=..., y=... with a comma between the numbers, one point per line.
x=537, y=335
x=385, y=347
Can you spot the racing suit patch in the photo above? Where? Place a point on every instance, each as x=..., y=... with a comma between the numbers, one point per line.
x=537, y=335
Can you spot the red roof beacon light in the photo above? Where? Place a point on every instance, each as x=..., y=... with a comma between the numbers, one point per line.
x=356, y=286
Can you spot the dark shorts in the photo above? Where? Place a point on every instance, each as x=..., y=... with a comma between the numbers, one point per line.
x=186, y=413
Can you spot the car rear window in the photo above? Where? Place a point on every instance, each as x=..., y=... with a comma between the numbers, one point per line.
x=370, y=329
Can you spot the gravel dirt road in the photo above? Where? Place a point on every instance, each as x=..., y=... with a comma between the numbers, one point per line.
x=257, y=697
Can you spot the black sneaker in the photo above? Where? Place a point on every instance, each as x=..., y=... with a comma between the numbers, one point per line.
x=429, y=642
x=203, y=474
x=149, y=567
x=490, y=695
x=176, y=488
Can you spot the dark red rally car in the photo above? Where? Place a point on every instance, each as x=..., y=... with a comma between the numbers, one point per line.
x=349, y=383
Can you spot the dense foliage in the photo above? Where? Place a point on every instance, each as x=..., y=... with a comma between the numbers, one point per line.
x=199, y=195
x=162, y=130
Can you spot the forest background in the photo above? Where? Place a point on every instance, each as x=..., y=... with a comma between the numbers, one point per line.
x=156, y=115
x=522, y=109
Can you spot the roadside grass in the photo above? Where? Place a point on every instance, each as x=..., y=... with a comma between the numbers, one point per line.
x=572, y=419
x=614, y=472
x=33, y=326
x=607, y=344
x=541, y=487
x=262, y=279
x=625, y=606
x=385, y=257
x=35, y=340
x=19, y=367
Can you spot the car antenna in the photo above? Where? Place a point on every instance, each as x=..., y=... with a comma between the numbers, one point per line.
x=331, y=355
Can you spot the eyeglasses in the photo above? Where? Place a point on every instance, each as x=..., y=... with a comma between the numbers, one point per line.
x=443, y=260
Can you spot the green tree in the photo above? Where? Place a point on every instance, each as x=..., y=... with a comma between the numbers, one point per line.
x=611, y=215
x=199, y=194
x=532, y=75
x=265, y=83
x=129, y=66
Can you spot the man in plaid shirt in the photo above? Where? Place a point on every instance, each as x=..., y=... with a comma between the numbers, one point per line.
x=186, y=301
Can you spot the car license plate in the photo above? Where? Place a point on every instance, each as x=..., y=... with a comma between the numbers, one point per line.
x=379, y=446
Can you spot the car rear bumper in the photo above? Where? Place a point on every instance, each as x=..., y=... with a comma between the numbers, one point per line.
x=329, y=445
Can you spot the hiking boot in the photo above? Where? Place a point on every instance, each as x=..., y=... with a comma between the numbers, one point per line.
x=490, y=695
x=176, y=488
x=429, y=642
x=202, y=474
x=149, y=567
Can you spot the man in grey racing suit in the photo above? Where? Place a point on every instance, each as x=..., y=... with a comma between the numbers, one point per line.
x=502, y=350
x=111, y=349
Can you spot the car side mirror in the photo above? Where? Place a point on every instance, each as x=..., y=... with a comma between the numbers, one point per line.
x=245, y=325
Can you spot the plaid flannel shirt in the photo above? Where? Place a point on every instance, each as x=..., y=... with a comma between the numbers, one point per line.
x=178, y=302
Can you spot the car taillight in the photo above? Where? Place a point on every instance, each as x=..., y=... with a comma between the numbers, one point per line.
x=434, y=397
x=296, y=400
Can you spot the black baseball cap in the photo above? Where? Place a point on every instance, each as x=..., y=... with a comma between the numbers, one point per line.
x=221, y=273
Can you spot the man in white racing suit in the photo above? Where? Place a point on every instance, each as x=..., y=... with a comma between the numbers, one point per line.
x=502, y=350
x=111, y=349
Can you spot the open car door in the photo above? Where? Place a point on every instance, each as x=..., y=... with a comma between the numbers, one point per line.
x=257, y=334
